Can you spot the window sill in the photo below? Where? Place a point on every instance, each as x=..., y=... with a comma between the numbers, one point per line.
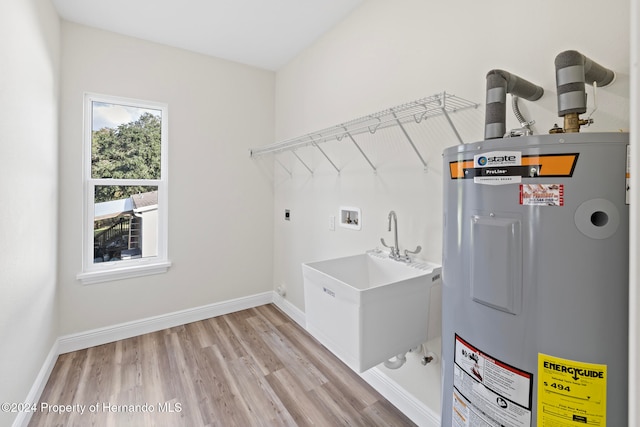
x=108, y=275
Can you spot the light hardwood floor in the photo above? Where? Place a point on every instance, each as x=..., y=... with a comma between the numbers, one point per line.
x=255, y=367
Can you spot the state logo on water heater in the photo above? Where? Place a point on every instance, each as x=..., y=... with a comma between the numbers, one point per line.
x=498, y=158
x=497, y=167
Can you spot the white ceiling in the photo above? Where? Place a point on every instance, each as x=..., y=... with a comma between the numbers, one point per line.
x=262, y=33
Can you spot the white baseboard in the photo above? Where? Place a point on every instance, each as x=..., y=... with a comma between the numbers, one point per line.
x=417, y=411
x=82, y=340
x=290, y=310
x=394, y=393
x=23, y=418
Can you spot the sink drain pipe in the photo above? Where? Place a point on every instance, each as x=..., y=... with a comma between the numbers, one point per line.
x=401, y=359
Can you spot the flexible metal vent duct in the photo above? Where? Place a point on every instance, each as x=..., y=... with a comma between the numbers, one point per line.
x=573, y=70
x=499, y=83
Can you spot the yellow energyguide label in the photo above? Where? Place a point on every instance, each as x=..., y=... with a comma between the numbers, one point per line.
x=571, y=393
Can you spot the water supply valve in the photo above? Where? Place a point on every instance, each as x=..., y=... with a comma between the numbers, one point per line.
x=429, y=358
x=572, y=122
x=573, y=71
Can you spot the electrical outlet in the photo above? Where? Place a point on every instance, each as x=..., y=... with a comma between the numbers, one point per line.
x=332, y=223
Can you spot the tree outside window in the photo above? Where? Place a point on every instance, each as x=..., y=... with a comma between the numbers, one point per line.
x=125, y=188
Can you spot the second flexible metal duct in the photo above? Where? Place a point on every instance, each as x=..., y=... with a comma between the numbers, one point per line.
x=573, y=70
x=499, y=83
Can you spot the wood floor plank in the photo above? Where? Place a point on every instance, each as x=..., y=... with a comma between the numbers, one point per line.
x=229, y=345
x=335, y=371
x=228, y=403
x=191, y=374
x=340, y=403
x=251, y=368
x=307, y=372
x=184, y=380
x=202, y=333
x=152, y=367
x=382, y=413
x=264, y=404
x=253, y=344
x=299, y=403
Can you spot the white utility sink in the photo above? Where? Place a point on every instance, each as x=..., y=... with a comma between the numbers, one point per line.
x=368, y=308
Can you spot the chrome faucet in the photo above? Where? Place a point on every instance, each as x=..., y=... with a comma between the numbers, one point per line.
x=395, y=250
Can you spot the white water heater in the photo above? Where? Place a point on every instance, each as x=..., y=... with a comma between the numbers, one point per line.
x=535, y=281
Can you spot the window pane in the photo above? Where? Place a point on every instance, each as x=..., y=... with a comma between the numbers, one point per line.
x=125, y=141
x=125, y=223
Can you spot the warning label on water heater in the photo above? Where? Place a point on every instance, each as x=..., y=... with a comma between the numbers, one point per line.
x=488, y=392
x=542, y=194
x=571, y=392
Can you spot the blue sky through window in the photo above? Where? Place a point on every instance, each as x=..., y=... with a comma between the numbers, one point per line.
x=106, y=115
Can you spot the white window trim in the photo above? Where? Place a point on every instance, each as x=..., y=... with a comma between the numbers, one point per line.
x=123, y=269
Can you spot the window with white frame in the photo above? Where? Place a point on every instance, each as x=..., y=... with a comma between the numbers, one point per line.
x=125, y=188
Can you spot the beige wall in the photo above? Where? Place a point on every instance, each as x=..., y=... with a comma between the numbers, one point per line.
x=220, y=202
x=386, y=53
x=29, y=48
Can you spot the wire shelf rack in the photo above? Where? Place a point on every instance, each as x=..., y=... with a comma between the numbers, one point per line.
x=415, y=111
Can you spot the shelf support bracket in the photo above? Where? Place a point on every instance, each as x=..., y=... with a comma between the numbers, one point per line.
x=315, y=144
x=302, y=161
x=283, y=167
x=406, y=134
x=361, y=152
x=446, y=115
